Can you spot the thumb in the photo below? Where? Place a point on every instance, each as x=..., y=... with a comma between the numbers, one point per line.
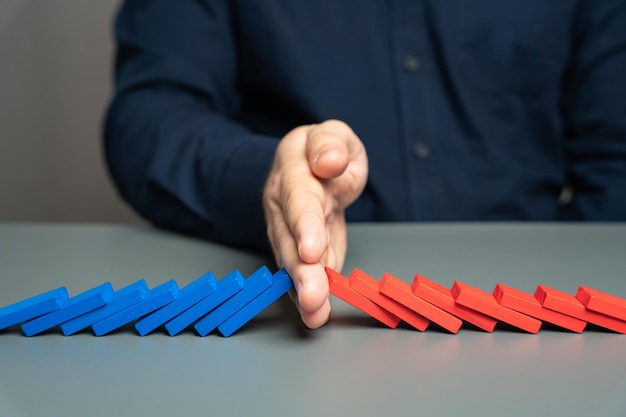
x=327, y=148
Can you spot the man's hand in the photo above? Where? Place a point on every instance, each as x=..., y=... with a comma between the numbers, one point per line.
x=318, y=171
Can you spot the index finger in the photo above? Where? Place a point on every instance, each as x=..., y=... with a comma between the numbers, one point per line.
x=304, y=210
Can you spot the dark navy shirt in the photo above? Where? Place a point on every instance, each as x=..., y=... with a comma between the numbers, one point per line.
x=469, y=110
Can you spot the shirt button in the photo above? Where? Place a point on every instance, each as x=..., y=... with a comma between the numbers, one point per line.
x=421, y=150
x=411, y=63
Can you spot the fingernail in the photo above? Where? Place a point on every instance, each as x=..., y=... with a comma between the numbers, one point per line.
x=325, y=152
x=322, y=154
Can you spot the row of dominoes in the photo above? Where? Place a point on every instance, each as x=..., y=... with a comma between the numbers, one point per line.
x=205, y=303
x=228, y=304
x=392, y=300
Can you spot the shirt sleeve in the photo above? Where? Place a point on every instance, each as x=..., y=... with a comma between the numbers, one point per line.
x=595, y=113
x=172, y=142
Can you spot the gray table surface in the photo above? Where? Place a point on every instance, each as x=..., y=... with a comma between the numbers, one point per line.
x=350, y=367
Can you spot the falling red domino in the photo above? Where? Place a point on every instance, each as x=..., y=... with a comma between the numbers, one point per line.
x=485, y=303
x=525, y=303
x=568, y=304
x=441, y=297
x=339, y=286
x=601, y=302
x=400, y=291
x=368, y=287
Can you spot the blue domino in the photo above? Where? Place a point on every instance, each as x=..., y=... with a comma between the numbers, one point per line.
x=254, y=285
x=228, y=286
x=121, y=299
x=157, y=297
x=187, y=297
x=281, y=283
x=32, y=307
x=73, y=307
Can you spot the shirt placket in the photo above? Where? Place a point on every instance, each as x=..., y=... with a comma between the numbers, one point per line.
x=413, y=60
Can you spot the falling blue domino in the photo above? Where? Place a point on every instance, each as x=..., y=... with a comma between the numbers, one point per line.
x=281, y=283
x=254, y=285
x=32, y=307
x=73, y=307
x=228, y=286
x=187, y=297
x=121, y=299
x=157, y=297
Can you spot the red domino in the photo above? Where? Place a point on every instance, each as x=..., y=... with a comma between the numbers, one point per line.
x=568, y=304
x=369, y=288
x=485, y=303
x=527, y=304
x=401, y=292
x=602, y=302
x=339, y=286
x=441, y=297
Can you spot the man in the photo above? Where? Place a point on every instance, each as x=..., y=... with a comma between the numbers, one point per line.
x=226, y=118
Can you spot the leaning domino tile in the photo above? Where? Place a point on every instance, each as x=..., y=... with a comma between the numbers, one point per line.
x=32, y=307
x=401, y=292
x=602, y=302
x=228, y=286
x=254, y=285
x=482, y=301
x=73, y=307
x=527, y=304
x=156, y=298
x=281, y=283
x=441, y=297
x=120, y=300
x=339, y=286
x=187, y=297
x=568, y=304
x=368, y=287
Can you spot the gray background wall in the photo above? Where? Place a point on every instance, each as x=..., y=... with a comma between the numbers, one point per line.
x=55, y=81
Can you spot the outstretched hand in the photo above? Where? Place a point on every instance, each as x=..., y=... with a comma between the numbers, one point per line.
x=318, y=171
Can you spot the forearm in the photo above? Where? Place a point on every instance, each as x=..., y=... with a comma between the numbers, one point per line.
x=173, y=145
x=186, y=168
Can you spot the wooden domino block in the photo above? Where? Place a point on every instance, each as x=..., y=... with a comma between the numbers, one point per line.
x=525, y=303
x=401, y=292
x=568, y=304
x=189, y=295
x=281, y=283
x=440, y=296
x=254, y=285
x=74, y=307
x=156, y=298
x=602, y=302
x=32, y=307
x=368, y=287
x=485, y=303
x=339, y=286
x=226, y=288
x=122, y=299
